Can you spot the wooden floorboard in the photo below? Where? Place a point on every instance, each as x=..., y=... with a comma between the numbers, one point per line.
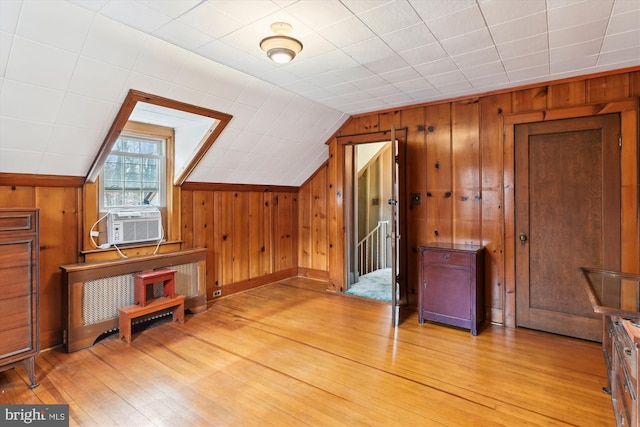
x=291, y=354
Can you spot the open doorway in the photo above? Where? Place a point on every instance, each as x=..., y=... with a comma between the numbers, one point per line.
x=370, y=168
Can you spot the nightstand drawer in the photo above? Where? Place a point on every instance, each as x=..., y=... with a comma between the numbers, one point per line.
x=449, y=258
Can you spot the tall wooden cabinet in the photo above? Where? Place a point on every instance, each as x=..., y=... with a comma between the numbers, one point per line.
x=19, y=286
x=451, y=286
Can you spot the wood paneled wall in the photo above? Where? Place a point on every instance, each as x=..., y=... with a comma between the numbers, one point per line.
x=251, y=234
x=58, y=200
x=459, y=156
x=456, y=155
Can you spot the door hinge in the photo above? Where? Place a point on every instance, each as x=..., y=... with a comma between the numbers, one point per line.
x=392, y=202
x=64, y=336
x=397, y=159
x=620, y=142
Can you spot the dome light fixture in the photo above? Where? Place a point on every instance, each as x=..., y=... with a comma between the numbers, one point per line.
x=281, y=48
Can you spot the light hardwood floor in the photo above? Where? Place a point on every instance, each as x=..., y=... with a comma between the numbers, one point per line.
x=290, y=354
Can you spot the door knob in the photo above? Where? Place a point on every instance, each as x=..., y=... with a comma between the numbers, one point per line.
x=523, y=238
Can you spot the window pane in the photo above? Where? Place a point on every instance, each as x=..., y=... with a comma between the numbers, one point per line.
x=133, y=173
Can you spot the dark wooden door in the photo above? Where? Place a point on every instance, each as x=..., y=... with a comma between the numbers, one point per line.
x=567, y=217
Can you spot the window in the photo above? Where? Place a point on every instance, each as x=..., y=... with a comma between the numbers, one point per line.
x=134, y=173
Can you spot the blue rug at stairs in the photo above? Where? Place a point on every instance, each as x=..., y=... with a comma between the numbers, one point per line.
x=375, y=285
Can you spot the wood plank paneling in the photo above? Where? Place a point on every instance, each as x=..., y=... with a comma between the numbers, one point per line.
x=319, y=220
x=257, y=264
x=438, y=168
x=465, y=163
x=567, y=94
x=58, y=246
x=608, y=88
x=529, y=99
x=241, y=248
x=492, y=210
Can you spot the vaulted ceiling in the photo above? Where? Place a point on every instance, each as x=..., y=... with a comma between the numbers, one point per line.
x=66, y=67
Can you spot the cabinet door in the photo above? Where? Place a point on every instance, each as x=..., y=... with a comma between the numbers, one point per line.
x=446, y=290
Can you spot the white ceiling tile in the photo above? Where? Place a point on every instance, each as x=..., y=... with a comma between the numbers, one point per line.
x=390, y=17
x=499, y=11
x=359, y=6
x=491, y=80
x=623, y=22
x=135, y=14
x=620, y=58
x=160, y=59
x=229, y=85
x=629, y=39
x=113, y=42
x=623, y=6
x=524, y=46
x=20, y=161
x=477, y=57
x=247, y=10
x=242, y=114
x=261, y=121
x=56, y=23
x=460, y=22
x=209, y=20
x=144, y=83
x=9, y=14
x=579, y=34
x=573, y=64
x=578, y=15
x=28, y=102
x=430, y=9
x=400, y=75
x=182, y=35
x=528, y=61
x=245, y=141
x=23, y=135
x=408, y=38
x=97, y=79
x=525, y=74
x=29, y=58
x=346, y=32
x=171, y=8
x=6, y=40
x=255, y=93
x=332, y=11
x=184, y=94
x=197, y=73
x=468, y=42
x=94, y=5
x=575, y=51
x=446, y=79
x=483, y=70
x=64, y=164
x=423, y=54
x=72, y=140
x=94, y=113
x=519, y=28
x=369, y=51
x=440, y=66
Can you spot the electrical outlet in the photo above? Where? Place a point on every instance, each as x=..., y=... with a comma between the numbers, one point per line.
x=217, y=293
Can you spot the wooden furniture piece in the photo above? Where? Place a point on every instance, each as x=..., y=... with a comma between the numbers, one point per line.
x=616, y=296
x=143, y=283
x=451, y=287
x=130, y=312
x=93, y=292
x=19, y=287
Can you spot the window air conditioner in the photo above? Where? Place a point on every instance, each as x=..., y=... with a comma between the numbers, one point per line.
x=133, y=226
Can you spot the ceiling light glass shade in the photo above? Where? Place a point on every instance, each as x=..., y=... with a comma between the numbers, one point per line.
x=281, y=49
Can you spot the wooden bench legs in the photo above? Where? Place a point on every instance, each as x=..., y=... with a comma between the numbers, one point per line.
x=130, y=312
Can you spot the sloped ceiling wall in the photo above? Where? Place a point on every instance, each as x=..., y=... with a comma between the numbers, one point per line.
x=66, y=70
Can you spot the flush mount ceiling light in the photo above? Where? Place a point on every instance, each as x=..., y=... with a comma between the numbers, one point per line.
x=281, y=48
